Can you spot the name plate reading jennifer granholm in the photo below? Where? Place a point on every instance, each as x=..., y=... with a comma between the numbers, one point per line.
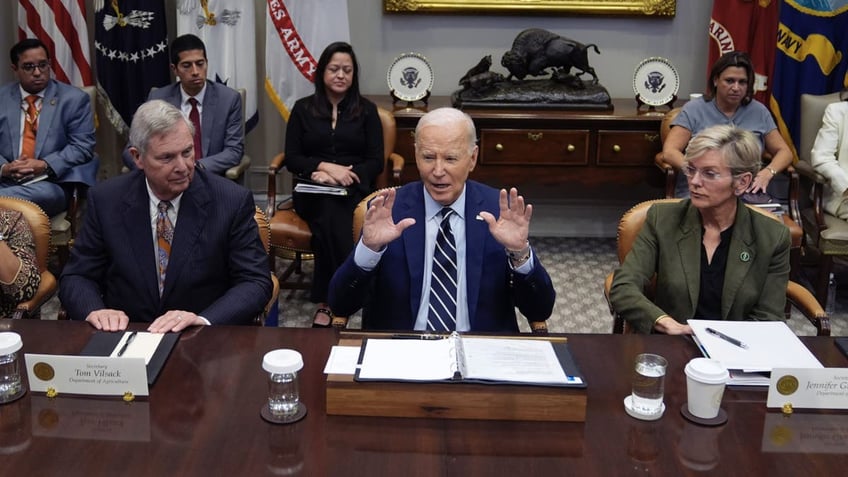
x=814, y=388
x=93, y=375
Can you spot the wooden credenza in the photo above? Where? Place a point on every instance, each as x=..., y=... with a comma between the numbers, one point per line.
x=554, y=153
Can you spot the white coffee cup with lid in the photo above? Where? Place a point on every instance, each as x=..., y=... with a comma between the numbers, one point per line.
x=705, y=382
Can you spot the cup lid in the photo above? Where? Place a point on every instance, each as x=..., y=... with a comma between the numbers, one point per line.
x=282, y=361
x=707, y=371
x=10, y=342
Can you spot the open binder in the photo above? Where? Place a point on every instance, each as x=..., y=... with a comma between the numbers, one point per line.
x=306, y=186
x=102, y=343
x=479, y=360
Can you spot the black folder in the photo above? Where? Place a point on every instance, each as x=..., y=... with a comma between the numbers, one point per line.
x=842, y=344
x=103, y=343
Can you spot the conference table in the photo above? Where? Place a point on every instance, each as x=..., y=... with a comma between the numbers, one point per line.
x=203, y=418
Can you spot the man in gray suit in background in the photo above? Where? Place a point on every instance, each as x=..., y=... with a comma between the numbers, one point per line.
x=214, y=107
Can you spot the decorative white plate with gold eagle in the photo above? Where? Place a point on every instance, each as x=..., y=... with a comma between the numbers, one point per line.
x=410, y=77
x=655, y=81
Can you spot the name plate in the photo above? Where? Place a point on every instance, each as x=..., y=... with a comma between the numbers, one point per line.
x=93, y=375
x=814, y=388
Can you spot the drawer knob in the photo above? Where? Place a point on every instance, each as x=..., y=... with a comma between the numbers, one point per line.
x=412, y=134
x=616, y=148
x=499, y=147
x=534, y=136
x=571, y=148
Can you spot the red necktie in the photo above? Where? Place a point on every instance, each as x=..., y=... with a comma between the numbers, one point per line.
x=194, y=117
x=30, y=127
x=164, y=237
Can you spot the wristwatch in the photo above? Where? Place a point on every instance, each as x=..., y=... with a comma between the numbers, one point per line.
x=518, y=257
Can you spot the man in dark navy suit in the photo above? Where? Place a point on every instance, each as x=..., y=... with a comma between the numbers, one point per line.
x=394, y=270
x=215, y=270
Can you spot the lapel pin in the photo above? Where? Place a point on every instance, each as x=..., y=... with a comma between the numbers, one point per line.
x=479, y=217
x=745, y=256
x=53, y=102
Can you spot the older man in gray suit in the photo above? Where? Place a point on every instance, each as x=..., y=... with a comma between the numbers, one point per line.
x=213, y=108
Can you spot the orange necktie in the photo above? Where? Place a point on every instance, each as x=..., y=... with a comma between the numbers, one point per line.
x=30, y=127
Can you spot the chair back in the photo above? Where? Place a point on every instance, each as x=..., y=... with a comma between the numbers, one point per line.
x=812, y=111
x=39, y=225
x=665, y=126
x=393, y=164
x=264, y=228
x=631, y=223
x=359, y=212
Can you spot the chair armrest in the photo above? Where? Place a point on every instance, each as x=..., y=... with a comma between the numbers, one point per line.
x=273, y=169
x=397, y=163
x=806, y=169
x=670, y=174
x=237, y=171
x=806, y=303
x=46, y=290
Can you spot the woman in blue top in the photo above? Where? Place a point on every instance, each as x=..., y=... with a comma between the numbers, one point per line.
x=729, y=101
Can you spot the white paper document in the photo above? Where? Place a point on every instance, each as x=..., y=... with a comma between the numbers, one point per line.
x=305, y=188
x=464, y=359
x=143, y=345
x=342, y=360
x=764, y=345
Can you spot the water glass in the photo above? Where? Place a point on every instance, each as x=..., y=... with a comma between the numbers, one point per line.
x=11, y=386
x=282, y=366
x=648, y=383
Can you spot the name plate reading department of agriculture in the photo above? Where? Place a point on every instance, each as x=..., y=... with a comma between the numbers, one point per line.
x=92, y=375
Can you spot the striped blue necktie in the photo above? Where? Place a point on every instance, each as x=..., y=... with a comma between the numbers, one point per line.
x=442, y=313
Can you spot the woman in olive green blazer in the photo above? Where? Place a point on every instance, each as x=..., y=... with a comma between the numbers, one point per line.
x=686, y=245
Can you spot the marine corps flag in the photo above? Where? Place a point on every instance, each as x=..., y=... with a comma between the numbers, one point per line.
x=131, y=40
x=749, y=26
x=812, y=41
x=228, y=29
x=296, y=34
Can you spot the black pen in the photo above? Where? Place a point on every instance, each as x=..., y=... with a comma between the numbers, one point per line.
x=418, y=337
x=730, y=340
x=127, y=343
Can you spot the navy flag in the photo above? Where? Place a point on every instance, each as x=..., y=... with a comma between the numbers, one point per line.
x=131, y=39
x=812, y=44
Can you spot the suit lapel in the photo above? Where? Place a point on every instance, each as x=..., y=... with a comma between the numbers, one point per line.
x=139, y=234
x=740, y=255
x=46, y=116
x=208, y=117
x=475, y=237
x=690, y=252
x=13, y=121
x=190, y=223
x=413, y=242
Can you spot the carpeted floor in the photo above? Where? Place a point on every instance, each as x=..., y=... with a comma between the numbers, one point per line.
x=578, y=268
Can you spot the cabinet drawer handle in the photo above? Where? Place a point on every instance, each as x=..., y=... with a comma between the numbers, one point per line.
x=412, y=134
x=652, y=137
x=499, y=147
x=616, y=148
x=571, y=148
x=534, y=136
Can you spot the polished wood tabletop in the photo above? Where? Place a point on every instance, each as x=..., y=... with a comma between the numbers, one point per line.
x=202, y=418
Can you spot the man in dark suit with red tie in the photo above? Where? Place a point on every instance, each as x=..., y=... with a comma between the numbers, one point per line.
x=168, y=243
x=445, y=253
x=213, y=108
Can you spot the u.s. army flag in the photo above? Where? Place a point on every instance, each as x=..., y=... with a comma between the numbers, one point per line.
x=296, y=34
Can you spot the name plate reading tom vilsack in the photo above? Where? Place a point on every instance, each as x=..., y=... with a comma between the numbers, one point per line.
x=825, y=388
x=93, y=375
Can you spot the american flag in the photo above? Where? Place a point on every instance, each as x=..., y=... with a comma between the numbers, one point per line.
x=60, y=24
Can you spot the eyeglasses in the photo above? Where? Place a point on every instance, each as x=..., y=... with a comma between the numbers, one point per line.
x=30, y=67
x=706, y=174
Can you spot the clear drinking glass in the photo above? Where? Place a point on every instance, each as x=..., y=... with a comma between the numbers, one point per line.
x=11, y=386
x=648, y=383
x=282, y=366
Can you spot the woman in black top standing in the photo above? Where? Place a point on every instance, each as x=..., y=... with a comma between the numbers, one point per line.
x=333, y=137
